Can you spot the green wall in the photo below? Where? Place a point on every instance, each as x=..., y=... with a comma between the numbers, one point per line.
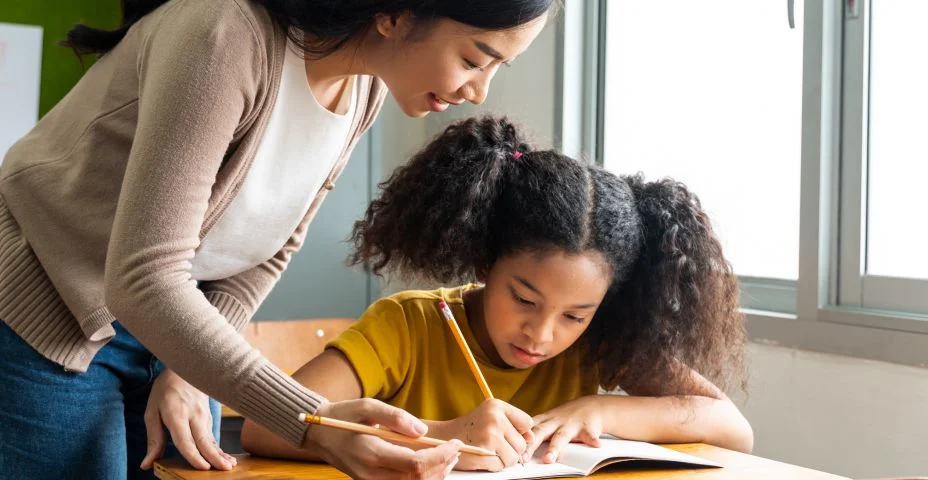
x=60, y=67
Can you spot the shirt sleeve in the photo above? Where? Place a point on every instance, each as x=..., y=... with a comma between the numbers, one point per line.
x=379, y=349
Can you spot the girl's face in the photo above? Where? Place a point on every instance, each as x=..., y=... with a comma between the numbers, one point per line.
x=427, y=68
x=536, y=305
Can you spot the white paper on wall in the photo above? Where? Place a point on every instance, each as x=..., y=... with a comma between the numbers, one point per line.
x=20, y=71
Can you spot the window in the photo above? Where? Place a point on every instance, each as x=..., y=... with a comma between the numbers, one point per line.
x=884, y=262
x=710, y=93
x=805, y=145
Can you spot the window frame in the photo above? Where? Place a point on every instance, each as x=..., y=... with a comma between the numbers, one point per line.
x=857, y=288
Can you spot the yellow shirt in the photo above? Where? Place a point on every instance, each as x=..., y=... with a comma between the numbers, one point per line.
x=405, y=355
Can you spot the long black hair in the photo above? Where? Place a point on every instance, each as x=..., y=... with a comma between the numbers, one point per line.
x=331, y=23
x=478, y=192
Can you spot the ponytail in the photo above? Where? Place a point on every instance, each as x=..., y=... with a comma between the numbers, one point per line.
x=677, y=308
x=434, y=216
x=86, y=40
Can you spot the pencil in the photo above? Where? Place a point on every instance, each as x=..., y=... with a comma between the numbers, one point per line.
x=468, y=355
x=389, y=435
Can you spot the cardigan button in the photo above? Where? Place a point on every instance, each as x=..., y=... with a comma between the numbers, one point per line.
x=329, y=185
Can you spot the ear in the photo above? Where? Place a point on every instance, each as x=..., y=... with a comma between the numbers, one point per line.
x=393, y=26
x=482, y=273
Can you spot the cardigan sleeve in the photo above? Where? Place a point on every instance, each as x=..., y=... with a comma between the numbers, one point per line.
x=200, y=71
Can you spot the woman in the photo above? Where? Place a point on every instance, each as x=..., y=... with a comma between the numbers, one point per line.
x=127, y=219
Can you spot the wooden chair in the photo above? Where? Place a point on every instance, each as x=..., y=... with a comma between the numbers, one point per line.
x=288, y=344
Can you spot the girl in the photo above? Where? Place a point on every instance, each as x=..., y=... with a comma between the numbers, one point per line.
x=137, y=196
x=589, y=280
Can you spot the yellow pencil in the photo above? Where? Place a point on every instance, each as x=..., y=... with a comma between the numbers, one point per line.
x=389, y=435
x=468, y=355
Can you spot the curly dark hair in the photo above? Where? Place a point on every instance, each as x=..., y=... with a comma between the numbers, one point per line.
x=478, y=192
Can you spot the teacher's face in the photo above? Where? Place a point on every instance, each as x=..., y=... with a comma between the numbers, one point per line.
x=429, y=67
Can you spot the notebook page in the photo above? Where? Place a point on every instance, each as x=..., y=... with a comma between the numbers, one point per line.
x=578, y=460
x=586, y=458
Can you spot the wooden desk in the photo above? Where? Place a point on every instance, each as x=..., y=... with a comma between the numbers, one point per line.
x=738, y=466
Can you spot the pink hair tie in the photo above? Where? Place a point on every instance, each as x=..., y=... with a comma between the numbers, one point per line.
x=516, y=155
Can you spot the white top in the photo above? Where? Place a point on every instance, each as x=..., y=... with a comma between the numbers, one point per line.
x=300, y=147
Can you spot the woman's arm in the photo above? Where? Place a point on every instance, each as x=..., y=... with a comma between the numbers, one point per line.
x=360, y=456
x=199, y=75
x=705, y=414
x=332, y=376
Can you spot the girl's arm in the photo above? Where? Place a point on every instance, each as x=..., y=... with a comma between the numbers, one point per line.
x=704, y=415
x=332, y=376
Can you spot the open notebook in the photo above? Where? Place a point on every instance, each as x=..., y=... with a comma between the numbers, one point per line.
x=578, y=460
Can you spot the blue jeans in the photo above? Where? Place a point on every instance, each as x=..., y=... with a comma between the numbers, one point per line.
x=60, y=424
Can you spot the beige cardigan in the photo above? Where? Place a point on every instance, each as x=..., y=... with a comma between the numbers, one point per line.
x=103, y=203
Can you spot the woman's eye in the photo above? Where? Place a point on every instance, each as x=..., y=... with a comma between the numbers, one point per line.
x=471, y=65
x=574, y=318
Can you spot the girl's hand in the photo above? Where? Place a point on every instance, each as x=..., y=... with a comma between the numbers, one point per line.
x=494, y=425
x=184, y=410
x=580, y=420
x=370, y=457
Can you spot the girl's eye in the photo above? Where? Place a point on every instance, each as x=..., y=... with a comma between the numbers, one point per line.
x=522, y=300
x=574, y=318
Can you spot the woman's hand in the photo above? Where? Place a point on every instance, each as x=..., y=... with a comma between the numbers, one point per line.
x=494, y=425
x=579, y=420
x=369, y=457
x=184, y=410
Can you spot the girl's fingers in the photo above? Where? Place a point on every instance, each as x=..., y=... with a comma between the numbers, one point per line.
x=558, y=441
x=590, y=436
x=541, y=433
